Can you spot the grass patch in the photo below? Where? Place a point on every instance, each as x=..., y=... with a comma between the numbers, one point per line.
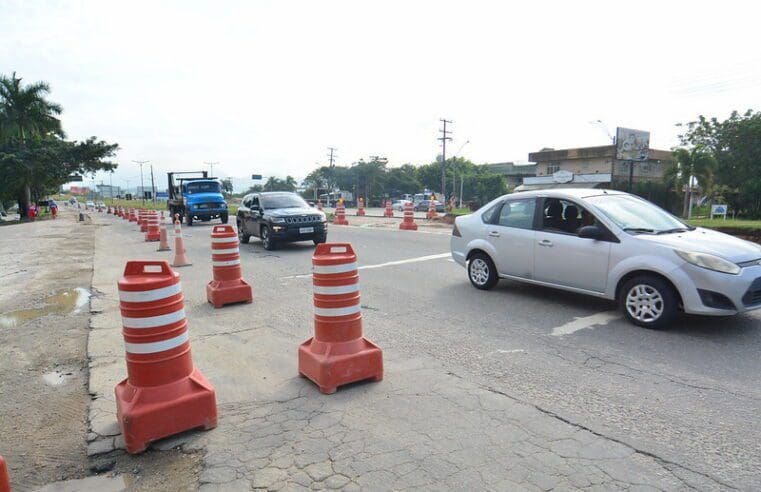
x=460, y=211
x=726, y=224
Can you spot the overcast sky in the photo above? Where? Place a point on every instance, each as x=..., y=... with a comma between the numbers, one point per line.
x=265, y=86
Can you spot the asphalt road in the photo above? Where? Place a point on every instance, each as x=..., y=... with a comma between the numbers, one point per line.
x=687, y=397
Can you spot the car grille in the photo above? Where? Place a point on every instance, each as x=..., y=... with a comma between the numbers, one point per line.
x=307, y=219
x=753, y=295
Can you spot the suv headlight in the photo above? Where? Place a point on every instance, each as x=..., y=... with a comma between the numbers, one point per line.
x=277, y=220
x=708, y=261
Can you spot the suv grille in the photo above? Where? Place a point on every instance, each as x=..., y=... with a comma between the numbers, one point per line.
x=753, y=295
x=308, y=219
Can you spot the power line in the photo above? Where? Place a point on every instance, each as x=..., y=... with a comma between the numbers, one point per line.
x=444, y=137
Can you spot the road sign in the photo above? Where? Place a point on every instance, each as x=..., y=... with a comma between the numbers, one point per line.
x=632, y=145
x=73, y=178
x=256, y=177
x=719, y=209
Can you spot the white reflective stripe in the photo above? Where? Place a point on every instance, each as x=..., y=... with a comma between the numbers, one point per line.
x=346, y=267
x=153, y=347
x=225, y=251
x=154, y=321
x=336, y=289
x=226, y=263
x=150, y=295
x=342, y=311
x=233, y=239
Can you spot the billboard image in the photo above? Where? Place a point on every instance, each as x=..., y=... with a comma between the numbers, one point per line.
x=632, y=145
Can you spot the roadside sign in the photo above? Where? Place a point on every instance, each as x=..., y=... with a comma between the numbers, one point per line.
x=74, y=177
x=720, y=209
x=632, y=145
x=256, y=177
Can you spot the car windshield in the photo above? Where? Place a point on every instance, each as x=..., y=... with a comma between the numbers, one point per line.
x=636, y=216
x=283, y=201
x=203, y=187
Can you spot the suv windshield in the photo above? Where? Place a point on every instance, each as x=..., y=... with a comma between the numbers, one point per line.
x=286, y=200
x=636, y=215
x=203, y=187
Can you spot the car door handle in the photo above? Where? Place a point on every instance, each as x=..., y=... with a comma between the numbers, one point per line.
x=545, y=242
x=493, y=233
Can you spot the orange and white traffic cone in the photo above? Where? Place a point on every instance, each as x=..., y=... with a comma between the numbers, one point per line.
x=180, y=255
x=228, y=286
x=163, y=238
x=431, y=210
x=5, y=479
x=164, y=394
x=408, y=222
x=144, y=220
x=152, y=233
x=360, y=207
x=319, y=205
x=338, y=354
x=132, y=216
x=340, y=216
x=389, y=211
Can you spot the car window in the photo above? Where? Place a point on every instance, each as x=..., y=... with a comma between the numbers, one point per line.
x=254, y=203
x=490, y=216
x=517, y=213
x=565, y=217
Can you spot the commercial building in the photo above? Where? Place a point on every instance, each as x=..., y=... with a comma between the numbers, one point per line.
x=513, y=173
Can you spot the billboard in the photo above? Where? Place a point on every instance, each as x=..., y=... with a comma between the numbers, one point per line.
x=632, y=145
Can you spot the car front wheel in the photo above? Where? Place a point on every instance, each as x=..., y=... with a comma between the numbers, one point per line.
x=649, y=301
x=482, y=272
x=267, y=241
x=242, y=236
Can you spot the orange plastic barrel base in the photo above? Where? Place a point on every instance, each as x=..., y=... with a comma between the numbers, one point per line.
x=361, y=213
x=331, y=370
x=339, y=221
x=151, y=413
x=408, y=227
x=221, y=293
x=5, y=480
x=149, y=238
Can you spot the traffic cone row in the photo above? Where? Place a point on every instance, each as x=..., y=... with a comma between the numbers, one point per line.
x=431, y=210
x=340, y=216
x=408, y=222
x=360, y=207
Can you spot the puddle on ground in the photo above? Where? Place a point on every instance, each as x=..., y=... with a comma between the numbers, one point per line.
x=64, y=302
x=57, y=378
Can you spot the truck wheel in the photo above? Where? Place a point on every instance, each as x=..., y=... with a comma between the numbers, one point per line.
x=189, y=220
x=223, y=218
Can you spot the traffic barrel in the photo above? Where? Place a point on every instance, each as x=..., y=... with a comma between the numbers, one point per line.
x=180, y=255
x=5, y=479
x=338, y=354
x=431, y=209
x=152, y=232
x=163, y=237
x=132, y=216
x=228, y=286
x=408, y=222
x=389, y=211
x=164, y=394
x=143, y=220
x=109, y=211
x=360, y=207
x=340, y=216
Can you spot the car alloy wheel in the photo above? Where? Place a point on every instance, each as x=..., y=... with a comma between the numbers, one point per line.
x=479, y=271
x=644, y=303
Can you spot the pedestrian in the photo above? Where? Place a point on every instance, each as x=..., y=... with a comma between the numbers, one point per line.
x=53, y=208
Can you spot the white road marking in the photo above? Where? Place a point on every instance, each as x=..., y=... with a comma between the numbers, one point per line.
x=387, y=264
x=512, y=351
x=577, y=324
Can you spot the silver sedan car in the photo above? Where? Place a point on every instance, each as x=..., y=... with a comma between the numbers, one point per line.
x=612, y=245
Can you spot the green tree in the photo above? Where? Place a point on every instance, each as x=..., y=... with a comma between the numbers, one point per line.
x=277, y=184
x=690, y=166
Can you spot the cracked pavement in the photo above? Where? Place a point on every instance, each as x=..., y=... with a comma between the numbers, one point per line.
x=477, y=393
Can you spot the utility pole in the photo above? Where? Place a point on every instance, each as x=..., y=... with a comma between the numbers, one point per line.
x=111, y=185
x=211, y=166
x=444, y=137
x=331, y=184
x=142, y=186
x=153, y=187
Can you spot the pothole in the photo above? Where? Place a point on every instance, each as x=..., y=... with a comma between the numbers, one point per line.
x=64, y=302
x=57, y=377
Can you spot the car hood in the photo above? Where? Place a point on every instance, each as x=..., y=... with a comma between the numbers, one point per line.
x=204, y=198
x=708, y=241
x=290, y=212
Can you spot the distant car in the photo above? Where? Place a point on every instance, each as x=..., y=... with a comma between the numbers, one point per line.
x=399, y=205
x=276, y=217
x=611, y=245
x=90, y=204
x=422, y=206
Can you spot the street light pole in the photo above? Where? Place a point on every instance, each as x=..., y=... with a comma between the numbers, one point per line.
x=142, y=185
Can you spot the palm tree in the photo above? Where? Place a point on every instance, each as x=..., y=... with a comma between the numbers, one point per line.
x=690, y=166
x=26, y=114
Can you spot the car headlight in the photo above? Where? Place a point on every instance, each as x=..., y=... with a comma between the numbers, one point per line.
x=278, y=220
x=708, y=261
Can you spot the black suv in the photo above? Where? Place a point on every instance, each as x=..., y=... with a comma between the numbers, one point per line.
x=280, y=216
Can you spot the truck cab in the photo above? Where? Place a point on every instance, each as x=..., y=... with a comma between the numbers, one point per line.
x=197, y=198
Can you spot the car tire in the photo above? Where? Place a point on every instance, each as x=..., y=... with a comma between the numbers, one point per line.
x=267, y=241
x=320, y=239
x=242, y=236
x=649, y=301
x=482, y=272
x=189, y=220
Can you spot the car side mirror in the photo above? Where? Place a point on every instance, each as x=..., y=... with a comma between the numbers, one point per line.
x=591, y=232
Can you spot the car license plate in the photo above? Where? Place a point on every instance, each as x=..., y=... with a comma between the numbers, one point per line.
x=306, y=230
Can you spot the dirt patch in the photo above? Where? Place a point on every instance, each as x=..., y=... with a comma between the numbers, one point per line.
x=179, y=470
x=44, y=317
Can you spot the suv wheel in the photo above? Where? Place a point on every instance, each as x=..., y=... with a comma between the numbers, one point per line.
x=482, y=272
x=320, y=239
x=648, y=301
x=267, y=241
x=242, y=236
x=189, y=220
